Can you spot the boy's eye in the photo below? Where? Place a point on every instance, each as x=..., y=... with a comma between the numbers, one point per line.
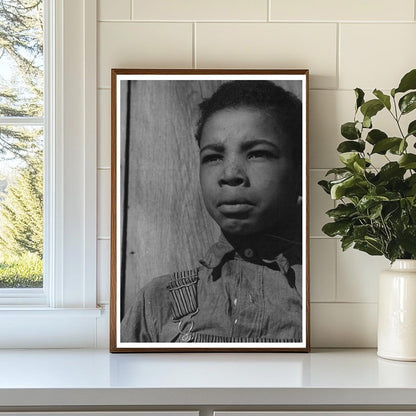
x=261, y=154
x=211, y=158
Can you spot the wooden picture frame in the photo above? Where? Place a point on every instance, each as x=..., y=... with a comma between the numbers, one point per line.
x=250, y=292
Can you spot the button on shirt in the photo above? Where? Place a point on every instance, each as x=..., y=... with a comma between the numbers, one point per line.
x=244, y=294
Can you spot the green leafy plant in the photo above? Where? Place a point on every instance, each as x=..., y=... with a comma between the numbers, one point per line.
x=376, y=210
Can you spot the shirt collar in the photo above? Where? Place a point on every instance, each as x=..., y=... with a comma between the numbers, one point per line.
x=270, y=250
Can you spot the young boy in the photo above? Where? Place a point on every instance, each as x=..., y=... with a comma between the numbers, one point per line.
x=248, y=287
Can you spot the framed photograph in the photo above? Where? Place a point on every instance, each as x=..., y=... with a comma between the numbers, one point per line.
x=209, y=210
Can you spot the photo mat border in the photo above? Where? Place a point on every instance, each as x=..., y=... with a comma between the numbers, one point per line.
x=178, y=74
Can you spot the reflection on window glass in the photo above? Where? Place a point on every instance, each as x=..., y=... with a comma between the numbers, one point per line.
x=21, y=143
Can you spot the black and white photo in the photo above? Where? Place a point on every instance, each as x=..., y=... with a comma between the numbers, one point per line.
x=209, y=211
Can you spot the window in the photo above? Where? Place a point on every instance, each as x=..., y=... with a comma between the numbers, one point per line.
x=22, y=127
x=63, y=312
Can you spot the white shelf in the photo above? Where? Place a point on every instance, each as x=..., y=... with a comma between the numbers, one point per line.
x=58, y=378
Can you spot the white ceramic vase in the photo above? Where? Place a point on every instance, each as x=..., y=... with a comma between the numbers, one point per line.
x=397, y=312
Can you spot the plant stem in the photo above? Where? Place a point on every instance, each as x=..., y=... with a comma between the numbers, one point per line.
x=397, y=118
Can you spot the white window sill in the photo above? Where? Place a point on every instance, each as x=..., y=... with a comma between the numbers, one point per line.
x=36, y=312
x=330, y=379
x=40, y=327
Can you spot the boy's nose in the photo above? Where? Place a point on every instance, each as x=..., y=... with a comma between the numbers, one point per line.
x=233, y=175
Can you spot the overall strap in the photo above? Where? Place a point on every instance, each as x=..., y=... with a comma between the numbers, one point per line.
x=183, y=293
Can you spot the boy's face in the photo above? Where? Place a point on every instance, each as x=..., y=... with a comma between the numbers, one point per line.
x=248, y=177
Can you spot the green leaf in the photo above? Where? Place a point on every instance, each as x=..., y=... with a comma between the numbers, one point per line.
x=411, y=130
x=375, y=243
x=361, y=231
x=392, y=196
x=375, y=211
x=336, y=228
x=413, y=210
x=402, y=146
x=342, y=211
x=325, y=186
x=408, y=82
x=408, y=102
x=407, y=240
x=359, y=95
x=411, y=180
x=338, y=171
x=348, y=158
x=354, y=188
x=371, y=108
x=411, y=183
x=368, y=248
x=398, y=149
x=393, y=250
x=391, y=170
x=354, y=161
x=350, y=146
x=349, y=131
x=338, y=189
x=385, y=99
x=408, y=161
x=385, y=144
x=367, y=122
x=369, y=201
x=346, y=242
x=375, y=136
x=359, y=165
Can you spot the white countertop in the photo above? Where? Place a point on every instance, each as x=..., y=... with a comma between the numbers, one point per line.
x=96, y=377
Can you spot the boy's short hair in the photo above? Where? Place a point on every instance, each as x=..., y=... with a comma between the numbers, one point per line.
x=282, y=105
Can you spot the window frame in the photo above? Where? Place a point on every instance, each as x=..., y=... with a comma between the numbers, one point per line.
x=67, y=303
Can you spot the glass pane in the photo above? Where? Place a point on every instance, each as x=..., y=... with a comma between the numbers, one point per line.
x=21, y=58
x=21, y=207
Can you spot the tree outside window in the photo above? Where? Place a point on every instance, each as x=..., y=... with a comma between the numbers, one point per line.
x=21, y=143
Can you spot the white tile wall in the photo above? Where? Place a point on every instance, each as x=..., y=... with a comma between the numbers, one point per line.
x=328, y=110
x=103, y=271
x=323, y=269
x=142, y=45
x=200, y=10
x=271, y=45
x=376, y=55
x=345, y=44
x=114, y=10
x=370, y=10
x=344, y=325
x=357, y=275
x=104, y=202
x=104, y=129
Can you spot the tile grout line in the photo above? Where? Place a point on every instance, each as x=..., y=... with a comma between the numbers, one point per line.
x=322, y=237
x=316, y=302
x=131, y=10
x=336, y=271
x=194, y=62
x=338, y=66
x=269, y=11
x=307, y=22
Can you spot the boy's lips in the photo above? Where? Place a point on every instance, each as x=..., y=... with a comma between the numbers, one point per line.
x=235, y=206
